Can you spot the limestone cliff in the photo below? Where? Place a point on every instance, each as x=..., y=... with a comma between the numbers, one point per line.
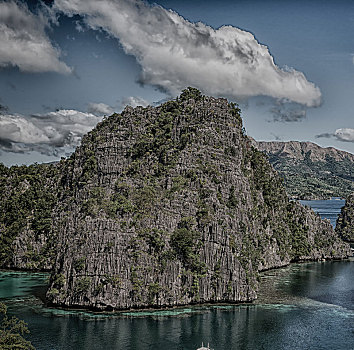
x=172, y=205
x=345, y=222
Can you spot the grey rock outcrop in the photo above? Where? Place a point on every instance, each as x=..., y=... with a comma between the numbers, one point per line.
x=172, y=205
x=345, y=221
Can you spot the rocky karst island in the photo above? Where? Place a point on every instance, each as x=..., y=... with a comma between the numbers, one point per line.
x=158, y=207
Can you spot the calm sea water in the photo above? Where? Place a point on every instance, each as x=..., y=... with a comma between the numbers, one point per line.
x=303, y=306
x=328, y=209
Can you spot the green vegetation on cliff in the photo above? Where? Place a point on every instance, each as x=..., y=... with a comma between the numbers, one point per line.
x=28, y=199
x=168, y=205
x=173, y=205
x=345, y=222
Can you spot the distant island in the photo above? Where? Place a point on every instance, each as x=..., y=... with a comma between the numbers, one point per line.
x=310, y=171
x=158, y=207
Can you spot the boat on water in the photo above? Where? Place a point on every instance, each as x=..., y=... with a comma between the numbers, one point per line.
x=205, y=348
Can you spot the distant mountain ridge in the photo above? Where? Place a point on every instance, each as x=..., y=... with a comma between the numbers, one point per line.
x=310, y=171
x=298, y=150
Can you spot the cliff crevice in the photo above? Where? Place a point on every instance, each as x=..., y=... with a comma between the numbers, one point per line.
x=165, y=206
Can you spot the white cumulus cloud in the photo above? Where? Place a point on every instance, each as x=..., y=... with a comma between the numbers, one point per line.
x=100, y=109
x=174, y=52
x=45, y=133
x=24, y=42
x=134, y=101
x=18, y=129
x=345, y=134
x=342, y=134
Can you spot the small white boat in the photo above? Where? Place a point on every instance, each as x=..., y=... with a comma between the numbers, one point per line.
x=205, y=348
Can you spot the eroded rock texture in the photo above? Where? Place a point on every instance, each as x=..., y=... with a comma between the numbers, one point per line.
x=172, y=205
x=345, y=222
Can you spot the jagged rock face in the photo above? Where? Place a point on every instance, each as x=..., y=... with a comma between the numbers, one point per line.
x=345, y=221
x=172, y=205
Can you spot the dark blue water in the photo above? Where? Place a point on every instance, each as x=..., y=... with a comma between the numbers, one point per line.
x=328, y=209
x=303, y=306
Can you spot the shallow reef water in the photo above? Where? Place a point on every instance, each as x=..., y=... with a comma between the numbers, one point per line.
x=302, y=306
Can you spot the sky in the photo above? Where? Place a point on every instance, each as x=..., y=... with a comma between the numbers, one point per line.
x=66, y=64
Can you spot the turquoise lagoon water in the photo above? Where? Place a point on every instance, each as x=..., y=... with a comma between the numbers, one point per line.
x=302, y=306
